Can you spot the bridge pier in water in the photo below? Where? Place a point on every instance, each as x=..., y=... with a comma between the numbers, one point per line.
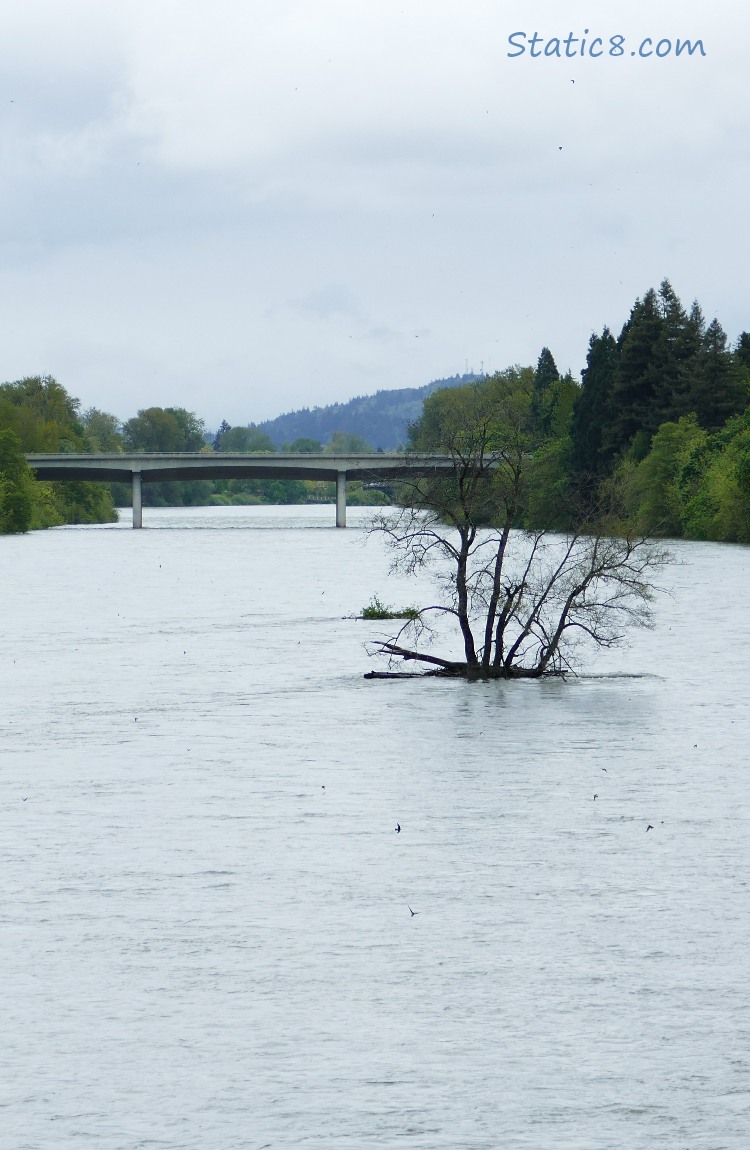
x=137, y=500
x=158, y=467
x=341, y=499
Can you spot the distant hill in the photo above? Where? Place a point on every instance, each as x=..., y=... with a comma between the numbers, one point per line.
x=382, y=419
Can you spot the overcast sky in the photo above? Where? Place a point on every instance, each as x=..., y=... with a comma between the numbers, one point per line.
x=245, y=206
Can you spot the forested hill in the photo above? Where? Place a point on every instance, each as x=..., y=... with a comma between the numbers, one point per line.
x=381, y=419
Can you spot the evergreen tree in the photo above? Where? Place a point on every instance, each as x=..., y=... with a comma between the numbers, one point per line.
x=697, y=330
x=545, y=376
x=679, y=343
x=717, y=384
x=635, y=402
x=592, y=408
x=742, y=350
x=223, y=427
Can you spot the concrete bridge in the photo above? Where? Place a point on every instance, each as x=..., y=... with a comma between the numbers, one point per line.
x=162, y=468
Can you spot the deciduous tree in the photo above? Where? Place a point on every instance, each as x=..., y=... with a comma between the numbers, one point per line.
x=164, y=429
x=16, y=484
x=519, y=598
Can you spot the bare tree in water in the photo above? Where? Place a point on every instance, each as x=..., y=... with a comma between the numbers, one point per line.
x=521, y=599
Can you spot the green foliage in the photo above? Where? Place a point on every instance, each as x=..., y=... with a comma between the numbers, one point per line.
x=102, y=431
x=657, y=424
x=281, y=491
x=47, y=500
x=42, y=414
x=550, y=498
x=655, y=488
x=168, y=429
x=554, y=410
x=742, y=349
x=592, y=410
x=487, y=421
x=717, y=483
x=637, y=379
x=344, y=443
x=164, y=429
x=243, y=440
x=44, y=418
x=716, y=382
x=666, y=364
x=477, y=414
x=377, y=610
x=519, y=599
x=691, y=483
x=658, y=412
x=545, y=378
x=16, y=486
x=77, y=502
x=303, y=446
x=357, y=495
x=223, y=428
x=678, y=343
x=500, y=418
x=16, y=509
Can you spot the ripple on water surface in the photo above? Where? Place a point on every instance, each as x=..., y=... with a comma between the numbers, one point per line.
x=206, y=923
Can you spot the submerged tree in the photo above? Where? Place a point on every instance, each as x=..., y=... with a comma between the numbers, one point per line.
x=520, y=598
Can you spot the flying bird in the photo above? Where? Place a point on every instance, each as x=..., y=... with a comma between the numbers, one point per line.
x=397, y=828
x=649, y=828
x=413, y=912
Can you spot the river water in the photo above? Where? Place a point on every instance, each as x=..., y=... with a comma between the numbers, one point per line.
x=207, y=941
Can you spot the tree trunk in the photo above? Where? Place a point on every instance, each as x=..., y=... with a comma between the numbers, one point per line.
x=463, y=600
x=489, y=626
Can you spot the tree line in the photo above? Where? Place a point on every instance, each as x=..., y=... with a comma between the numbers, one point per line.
x=38, y=415
x=659, y=427
x=542, y=536
x=662, y=419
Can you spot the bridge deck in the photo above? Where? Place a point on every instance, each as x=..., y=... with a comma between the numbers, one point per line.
x=155, y=468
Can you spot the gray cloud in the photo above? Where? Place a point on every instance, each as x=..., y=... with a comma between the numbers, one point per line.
x=253, y=207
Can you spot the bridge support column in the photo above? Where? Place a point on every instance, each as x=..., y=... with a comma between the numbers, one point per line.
x=137, y=500
x=341, y=499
